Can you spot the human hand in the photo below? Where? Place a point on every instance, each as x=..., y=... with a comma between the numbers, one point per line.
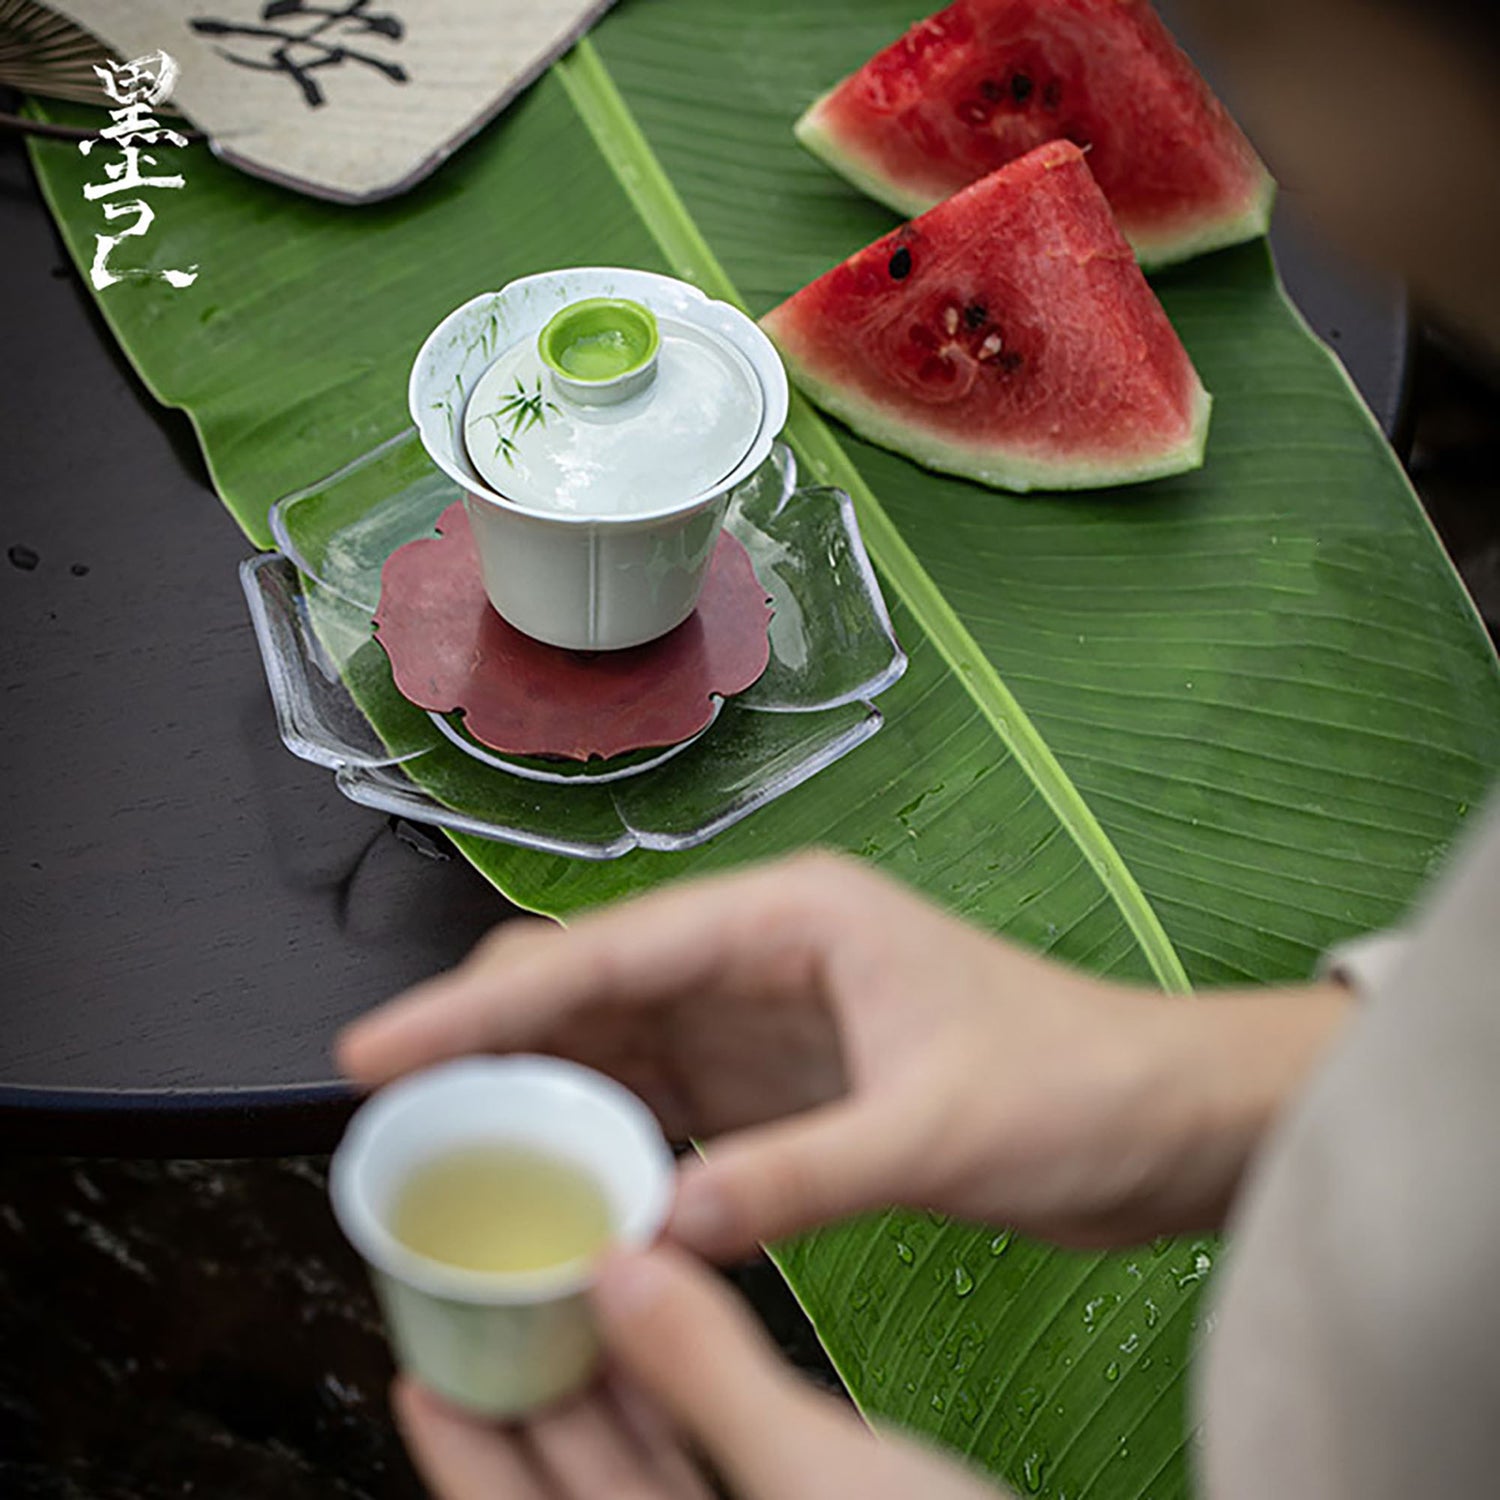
x=693, y=1373
x=844, y=1045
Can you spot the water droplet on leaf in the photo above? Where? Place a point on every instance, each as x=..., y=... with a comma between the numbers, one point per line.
x=1033, y=1471
x=1202, y=1263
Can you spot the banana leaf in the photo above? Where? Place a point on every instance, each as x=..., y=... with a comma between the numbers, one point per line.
x=1190, y=733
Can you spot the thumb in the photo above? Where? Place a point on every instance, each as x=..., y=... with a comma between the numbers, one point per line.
x=677, y=1332
x=774, y=1180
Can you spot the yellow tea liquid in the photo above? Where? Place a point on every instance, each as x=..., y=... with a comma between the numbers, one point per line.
x=501, y=1208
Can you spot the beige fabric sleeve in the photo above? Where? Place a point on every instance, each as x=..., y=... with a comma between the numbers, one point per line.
x=1356, y=1345
x=1366, y=963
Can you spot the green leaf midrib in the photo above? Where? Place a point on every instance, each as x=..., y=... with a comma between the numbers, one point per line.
x=630, y=156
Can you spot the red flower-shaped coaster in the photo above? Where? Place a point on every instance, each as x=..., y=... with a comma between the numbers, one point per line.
x=450, y=650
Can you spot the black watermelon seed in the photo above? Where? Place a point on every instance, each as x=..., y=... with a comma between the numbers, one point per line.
x=975, y=314
x=24, y=558
x=1052, y=94
x=79, y=570
x=1020, y=88
x=989, y=89
x=900, y=264
x=1010, y=362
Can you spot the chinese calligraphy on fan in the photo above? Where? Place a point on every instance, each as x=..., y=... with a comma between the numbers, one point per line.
x=300, y=38
x=137, y=87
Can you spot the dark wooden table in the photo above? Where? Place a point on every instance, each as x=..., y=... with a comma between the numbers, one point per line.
x=187, y=913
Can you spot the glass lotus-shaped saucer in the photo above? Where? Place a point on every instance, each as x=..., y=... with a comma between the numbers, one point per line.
x=832, y=652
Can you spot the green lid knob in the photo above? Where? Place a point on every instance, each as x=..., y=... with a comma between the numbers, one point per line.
x=601, y=350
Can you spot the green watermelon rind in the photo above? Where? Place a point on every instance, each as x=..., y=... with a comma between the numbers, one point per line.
x=1251, y=223
x=813, y=132
x=998, y=467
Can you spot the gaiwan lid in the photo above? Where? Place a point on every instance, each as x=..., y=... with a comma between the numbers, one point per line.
x=613, y=411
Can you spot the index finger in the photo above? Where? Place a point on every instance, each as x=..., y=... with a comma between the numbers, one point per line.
x=525, y=980
x=458, y=1456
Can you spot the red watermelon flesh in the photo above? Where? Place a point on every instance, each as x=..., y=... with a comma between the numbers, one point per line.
x=1008, y=335
x=986, y=81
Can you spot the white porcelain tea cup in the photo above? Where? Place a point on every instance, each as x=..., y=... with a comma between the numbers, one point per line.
x=571, y=578
x=497, y=1344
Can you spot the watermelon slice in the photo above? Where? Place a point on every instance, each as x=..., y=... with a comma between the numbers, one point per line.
x=1008, y=335
x=986, y=81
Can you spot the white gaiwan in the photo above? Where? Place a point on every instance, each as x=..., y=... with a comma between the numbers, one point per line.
x=597, y=420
